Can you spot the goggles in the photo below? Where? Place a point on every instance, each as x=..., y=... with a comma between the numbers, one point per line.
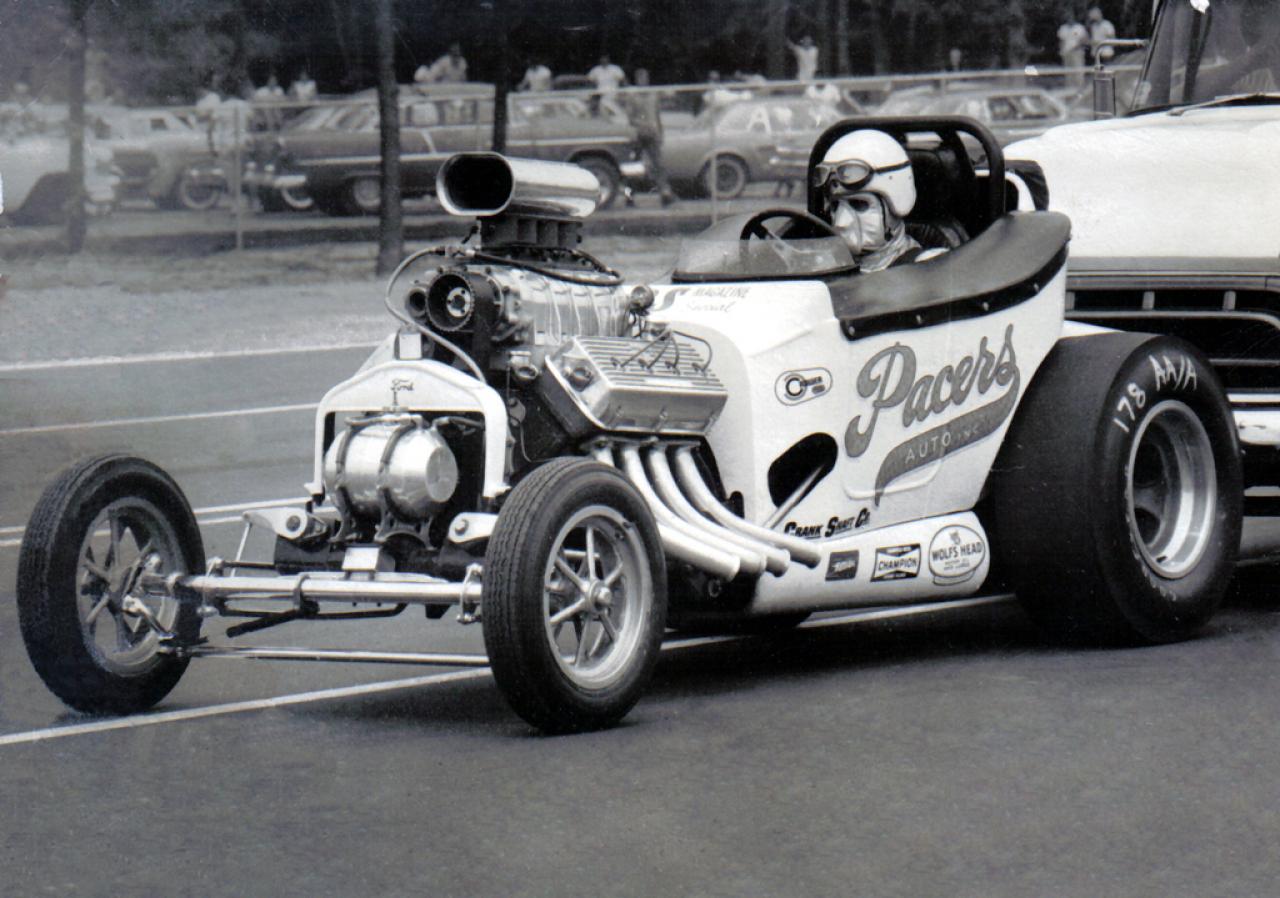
x=852, y=174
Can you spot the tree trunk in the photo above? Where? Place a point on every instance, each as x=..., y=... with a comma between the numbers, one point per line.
x=1016, y=51
x=842, y=37
x=390, y=215
x=78, y=40
x=881, y=16
x=776, y=66
x=501, y=74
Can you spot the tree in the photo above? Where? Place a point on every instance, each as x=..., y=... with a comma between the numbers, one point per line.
x=390, y=215
x=77, y=45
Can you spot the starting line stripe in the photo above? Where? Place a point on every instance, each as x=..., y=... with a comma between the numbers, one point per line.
x=385, y=686
x=158, y=419
x=161, y=357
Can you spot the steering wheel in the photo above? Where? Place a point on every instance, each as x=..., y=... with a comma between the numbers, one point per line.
x=777, y=226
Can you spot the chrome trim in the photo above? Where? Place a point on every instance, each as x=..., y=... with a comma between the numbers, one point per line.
x=675, y=541
x=777, y=560
x=486, y=184
x=316, y=586
x=697, y=490
x=749, y=562
x=284, y=653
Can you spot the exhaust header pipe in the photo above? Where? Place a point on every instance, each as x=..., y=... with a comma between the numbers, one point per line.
x=483, y=185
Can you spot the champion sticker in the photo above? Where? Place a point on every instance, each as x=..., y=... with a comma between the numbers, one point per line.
x=843, y=565
x=955, y=554
x=897, y=563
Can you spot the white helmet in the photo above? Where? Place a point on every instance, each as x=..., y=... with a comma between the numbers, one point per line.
x=869, y=161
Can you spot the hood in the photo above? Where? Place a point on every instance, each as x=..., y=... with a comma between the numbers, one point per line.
x=1202, y=183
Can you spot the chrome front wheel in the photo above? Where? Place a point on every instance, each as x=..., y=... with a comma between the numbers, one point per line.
x=575, y=596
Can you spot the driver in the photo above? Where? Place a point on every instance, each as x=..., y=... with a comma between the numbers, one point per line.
x=870, y=191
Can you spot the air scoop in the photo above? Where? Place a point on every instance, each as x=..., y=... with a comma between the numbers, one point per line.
x=489, y=184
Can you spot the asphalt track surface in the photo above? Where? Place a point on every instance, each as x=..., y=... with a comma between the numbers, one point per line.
x=946, y=753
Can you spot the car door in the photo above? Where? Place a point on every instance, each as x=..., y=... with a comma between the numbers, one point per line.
x=419, y=154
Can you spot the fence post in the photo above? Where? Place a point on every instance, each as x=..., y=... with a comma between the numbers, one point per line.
x=234, y=180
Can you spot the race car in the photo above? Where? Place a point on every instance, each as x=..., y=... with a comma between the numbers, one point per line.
x=580, y=465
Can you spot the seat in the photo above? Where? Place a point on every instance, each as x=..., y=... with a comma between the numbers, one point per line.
x=945, y=185
x=1006, y=264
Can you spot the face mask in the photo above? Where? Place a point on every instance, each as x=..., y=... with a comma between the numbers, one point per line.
x=859, y=219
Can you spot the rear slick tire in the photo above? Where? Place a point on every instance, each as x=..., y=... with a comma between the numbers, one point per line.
x=575, y=596
x=1117, y=494
x=92, y=531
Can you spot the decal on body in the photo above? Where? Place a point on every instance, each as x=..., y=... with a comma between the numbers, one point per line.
x=834, y=526
x=955, y=554
x=896, y=563
x=795, y=387
x=889, y=380
x=843, y=565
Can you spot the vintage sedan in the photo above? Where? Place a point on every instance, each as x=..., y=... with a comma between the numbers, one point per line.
x=749, y=139
x=338, y=164
x=162, y=158
x=34, y=163
x=1011, y=113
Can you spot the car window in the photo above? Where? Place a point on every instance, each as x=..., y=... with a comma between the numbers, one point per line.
x=422, y=115
x=457, y=112
x=1001, y=109
x=782, y=118
x=159, y=123
x=1031, y=106
x=735, y=118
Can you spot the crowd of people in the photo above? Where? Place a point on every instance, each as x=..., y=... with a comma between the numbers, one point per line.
x=1080, y=43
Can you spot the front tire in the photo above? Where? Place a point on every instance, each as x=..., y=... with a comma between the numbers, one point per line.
x=1118, y=492
x=575, y=596
x=94, y=528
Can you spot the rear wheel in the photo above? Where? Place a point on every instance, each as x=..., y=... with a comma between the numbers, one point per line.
x=1118, y=491
x=574, y=596
x=731, y=177
x=197, y=193
x=362, y=195
x=95, y=529
x=607, y=174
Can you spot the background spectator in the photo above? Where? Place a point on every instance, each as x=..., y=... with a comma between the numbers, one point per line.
x=642, y=111
x=537, y=77
x=806, y=53
x=451, y=68
x=1100, y=29
x=1072, y=40
x=955, y=59
x=607, y=78
x=303, y=88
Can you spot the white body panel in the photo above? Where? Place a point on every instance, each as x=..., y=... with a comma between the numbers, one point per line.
x=918, y=561
x=1175, y=183
x=901, y=471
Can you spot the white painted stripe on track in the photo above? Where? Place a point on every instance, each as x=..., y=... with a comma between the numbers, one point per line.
x=385, y=686
x=158, y=419
x=162, y=357
x=262, y=704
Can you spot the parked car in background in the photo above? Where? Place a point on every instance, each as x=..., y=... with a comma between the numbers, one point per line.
x=34, y=161
x=1012, y=113
x=337, y=164
x=751, y=140
x=161, y=157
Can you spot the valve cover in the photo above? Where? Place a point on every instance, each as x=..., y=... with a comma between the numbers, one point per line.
x=660, y=385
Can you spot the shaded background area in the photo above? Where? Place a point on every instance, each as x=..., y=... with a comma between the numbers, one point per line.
x=165, y=51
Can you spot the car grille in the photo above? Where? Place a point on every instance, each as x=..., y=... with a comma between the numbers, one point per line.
x=1236, y=323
